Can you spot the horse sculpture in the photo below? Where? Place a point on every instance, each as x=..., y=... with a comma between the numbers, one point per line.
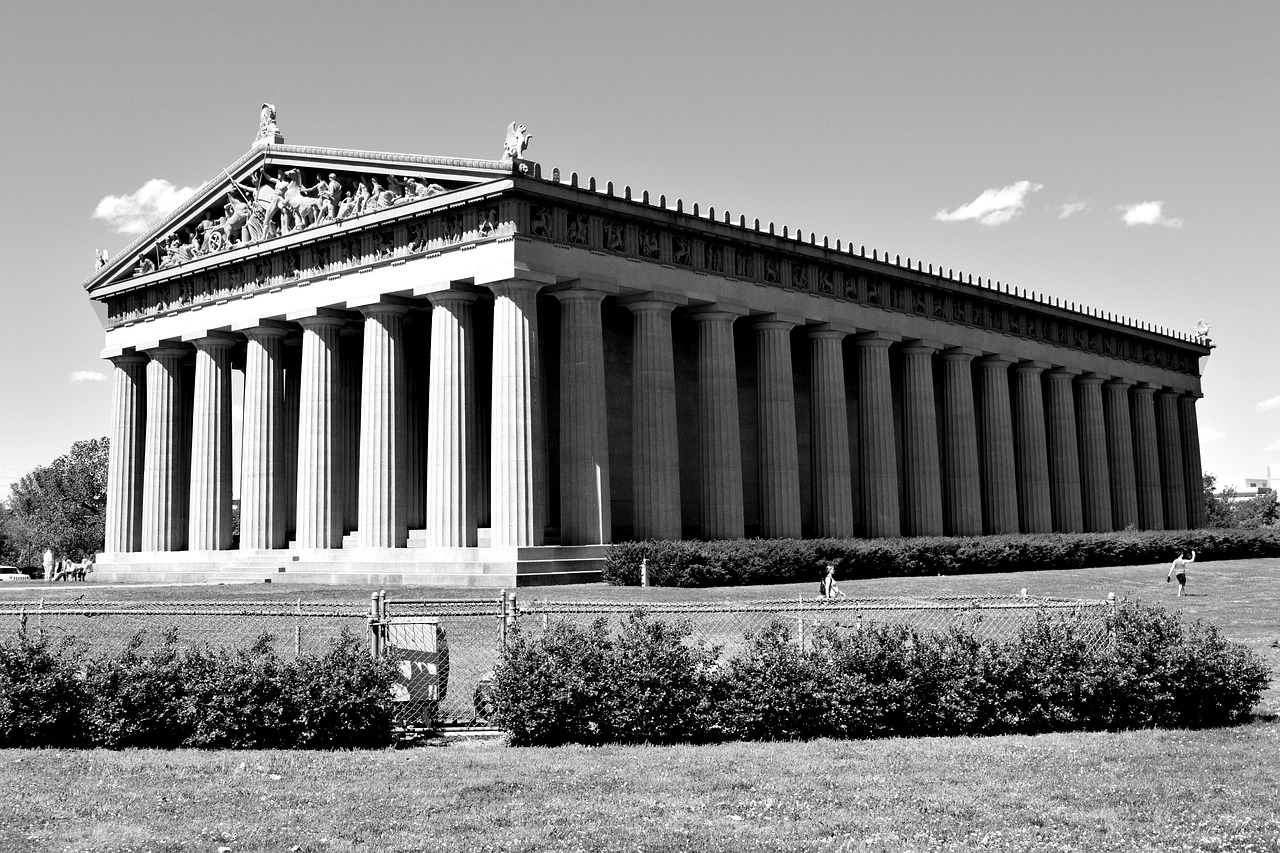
x=303, y=210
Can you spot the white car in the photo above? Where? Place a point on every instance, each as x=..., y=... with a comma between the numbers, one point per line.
x=12, y=573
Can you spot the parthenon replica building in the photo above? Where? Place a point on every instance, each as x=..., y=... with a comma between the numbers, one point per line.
x=477, y=372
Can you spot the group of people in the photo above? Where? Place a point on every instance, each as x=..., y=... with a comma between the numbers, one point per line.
x=65, y=569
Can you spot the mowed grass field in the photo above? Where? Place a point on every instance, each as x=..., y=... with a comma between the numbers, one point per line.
x=1149, y=790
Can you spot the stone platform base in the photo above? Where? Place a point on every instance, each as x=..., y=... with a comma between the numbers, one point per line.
x=490, y=567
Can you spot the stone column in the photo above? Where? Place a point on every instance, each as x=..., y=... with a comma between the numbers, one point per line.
x=829, y=436
x=1193, y=473
x=162, y=527
x=655, y=456
x=262, y=500
x=776, y=424
x=517, y=443
x=350, y=369
x=1172, y=473
x=1146, y=459
x=1030, y=448
x=211, y=476
x=292, y=409
x=319, y=494
x=1124, y=489
x=922, y=482
x=1095, y=477
x=417, y=414
x=999, y=480
x=585, y=511
x=451, y=423
x=125, y=474
x=961, y=478
x=719, y=436
x=382, y=516
x=877, y=454
x=1064, y=452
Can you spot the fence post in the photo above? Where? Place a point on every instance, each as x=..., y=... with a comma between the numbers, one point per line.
x=40, y=620
x=800, y=623
x=644, y=571
x=502, y=619
x=297, y=631
x=511, y=611
x=373, y=626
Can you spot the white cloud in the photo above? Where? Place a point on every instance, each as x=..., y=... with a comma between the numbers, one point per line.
x=134, y=213
x=1072, y=207
x=1271, y=403
x=994, y=206
x=1211, y=434
x=81, y=376
x=1147, y=213
x=1273, y=446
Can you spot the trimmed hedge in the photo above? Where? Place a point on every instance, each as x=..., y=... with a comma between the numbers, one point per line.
x=166, y=697
x=647, y=683
x=741, y=562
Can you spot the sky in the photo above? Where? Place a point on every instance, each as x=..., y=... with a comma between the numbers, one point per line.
x=1116, y=155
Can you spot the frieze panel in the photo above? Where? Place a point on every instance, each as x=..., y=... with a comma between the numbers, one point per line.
x=826, y=281
x=682, y=251
x=713, y=257
x=615, y=236
x=744, y=263
x=799, y=276
x=578, y=229
x=769, y=269
x=648, y=244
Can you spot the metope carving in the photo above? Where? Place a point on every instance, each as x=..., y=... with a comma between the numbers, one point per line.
x=578, y=228
x=744, y=264
x=826, y=282
x=714, y=257
x=614, y=239
x=540, y=222
x=682, y=251
x=799, y=276
x=769, y=267
x=488, y=221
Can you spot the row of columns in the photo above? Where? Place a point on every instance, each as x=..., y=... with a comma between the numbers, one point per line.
x=1023, y=448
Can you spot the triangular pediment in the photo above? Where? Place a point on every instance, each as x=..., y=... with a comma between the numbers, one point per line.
x=280, y=190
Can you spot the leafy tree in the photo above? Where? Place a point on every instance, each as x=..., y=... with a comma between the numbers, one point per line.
x=1224, y=509
x=62, y=505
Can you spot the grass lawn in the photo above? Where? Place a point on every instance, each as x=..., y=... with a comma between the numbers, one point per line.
x=1149, y=790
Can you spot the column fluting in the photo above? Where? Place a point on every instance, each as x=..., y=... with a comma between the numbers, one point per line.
x=292, y=410
x=999, y=480
x=319, y=494
x=417, y=352
x=1146, y=459
x=1193, y=473
x=1124, y=489
x=383, y=426
x=778, y=454
x=163, y=529
x=1172, y=473
x=350, y=370
x=1095, y=476
x=922, y=483
x=1064, y=451
x=721, y=511
x=877, y=453
x=1030, y=448
x=585, y=512
x=451, y=494
x=961, y=472
x=517, y=441
x=829, y=436
x=209, y=506
x=262, y=463
x=655, y=456
x=123, y=528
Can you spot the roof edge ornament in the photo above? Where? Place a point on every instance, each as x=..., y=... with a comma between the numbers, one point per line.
x=268, y=131
x=518, y=138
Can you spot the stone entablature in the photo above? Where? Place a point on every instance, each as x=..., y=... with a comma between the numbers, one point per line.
x=603, y=222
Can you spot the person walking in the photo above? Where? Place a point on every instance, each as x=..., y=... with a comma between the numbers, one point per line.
x=1179, y=569
x=828, y=586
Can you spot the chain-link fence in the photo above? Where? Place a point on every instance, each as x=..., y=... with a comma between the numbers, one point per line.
x=447, y=650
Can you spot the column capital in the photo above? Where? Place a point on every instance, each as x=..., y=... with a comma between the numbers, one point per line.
x=921, y=347
x=651, y=306
x=652, y=301
x=263, y=328
x=579, y=293
x=957, y=353
x=1032, y=366
x=1119, y=382
x=321, y=321
x=385, y=309
x=824, y=333
x=451, y=297
x=1145, y=388
x=213, y=342
x=771, y=321
x=1166, y=393
x=127, y=358
x=166, y=350
x=1192, y=396
x=1091, y=379
x=996, y=362
x=715, y=311
x=875, y=340
x=1063, y=374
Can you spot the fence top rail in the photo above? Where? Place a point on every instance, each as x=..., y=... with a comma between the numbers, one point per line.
x=54, y=604
x=93, y=610
x=954, y=604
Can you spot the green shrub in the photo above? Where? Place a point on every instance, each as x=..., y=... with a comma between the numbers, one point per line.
x=42, y=695
x=341, y=699
x=689, y=563
x=140, y=699
x=647, y=683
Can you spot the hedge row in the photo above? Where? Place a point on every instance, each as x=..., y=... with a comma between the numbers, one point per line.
x=165, y=697
x=648, y=683
x=739, y=562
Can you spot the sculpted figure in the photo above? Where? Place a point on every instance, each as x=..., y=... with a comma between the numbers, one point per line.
x=302, y=210
x=517, y=141
x=99, y=259
x=268, y=130
x=362, y=195
x=347, y=208
x=145, y=265
x=330, y=191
